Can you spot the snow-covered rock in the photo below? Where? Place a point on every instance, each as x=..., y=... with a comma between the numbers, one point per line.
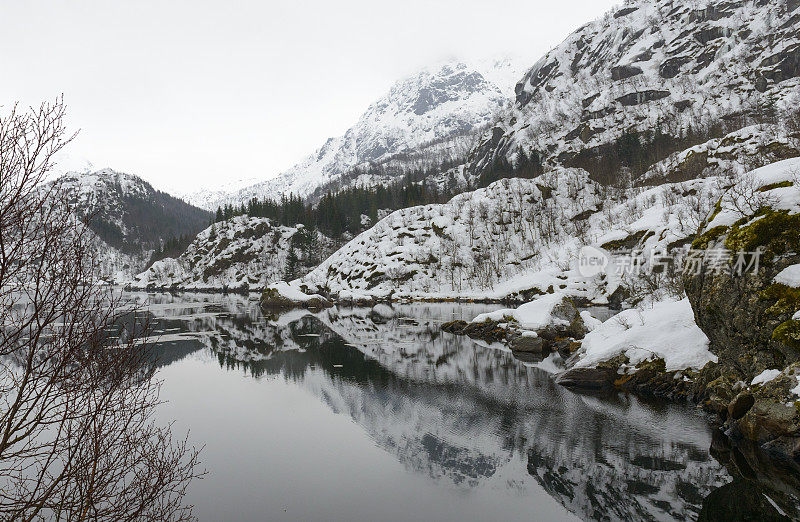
x=535, y=315
x=242, y=253
x=280, y=295
x=666, y=330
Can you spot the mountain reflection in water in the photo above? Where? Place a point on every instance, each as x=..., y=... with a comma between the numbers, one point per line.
x=462, y=418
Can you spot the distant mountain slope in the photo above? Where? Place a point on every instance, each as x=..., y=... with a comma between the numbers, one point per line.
x=127, y=213
x=652, y=65
x=428, y=114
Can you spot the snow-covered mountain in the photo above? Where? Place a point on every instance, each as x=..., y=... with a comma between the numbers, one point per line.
x=678, y=67
x=127, y=212
x=129, y=217
x=435, y=112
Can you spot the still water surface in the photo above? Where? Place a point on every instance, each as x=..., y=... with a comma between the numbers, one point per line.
x=374, y=414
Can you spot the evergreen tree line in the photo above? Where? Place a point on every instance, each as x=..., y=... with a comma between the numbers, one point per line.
x=172, y=247
x=340, y=211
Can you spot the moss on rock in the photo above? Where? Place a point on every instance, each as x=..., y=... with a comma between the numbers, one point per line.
x=707, y=237
x=773, y=186
x=786, y=299
x=775, y=231
x=788, y=333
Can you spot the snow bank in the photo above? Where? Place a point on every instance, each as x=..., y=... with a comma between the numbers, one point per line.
x=667, y=330
x=536, y=315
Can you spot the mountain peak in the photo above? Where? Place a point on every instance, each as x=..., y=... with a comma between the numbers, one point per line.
x=437, y=103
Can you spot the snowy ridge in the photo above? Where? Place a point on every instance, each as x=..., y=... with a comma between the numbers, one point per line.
x=651, y=63
x=426, y=111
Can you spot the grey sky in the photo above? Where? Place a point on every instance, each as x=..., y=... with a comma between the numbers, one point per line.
x=193, y=93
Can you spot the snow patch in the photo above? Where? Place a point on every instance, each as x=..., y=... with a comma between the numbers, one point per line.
x=789, y=276
x=535, y=315
x=765, y=376
x=667, y=330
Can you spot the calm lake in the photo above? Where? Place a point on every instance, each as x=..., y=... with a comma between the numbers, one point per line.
x=374, y=414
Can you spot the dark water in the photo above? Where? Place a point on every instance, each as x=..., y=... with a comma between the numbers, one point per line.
x=374, y=414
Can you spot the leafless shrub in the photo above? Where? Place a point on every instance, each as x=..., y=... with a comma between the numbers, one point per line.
x=77, y=391
x=654, y=283
x=744, y=195
x=623, y=321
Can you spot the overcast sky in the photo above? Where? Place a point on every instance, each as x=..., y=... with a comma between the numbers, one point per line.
x=193, y=93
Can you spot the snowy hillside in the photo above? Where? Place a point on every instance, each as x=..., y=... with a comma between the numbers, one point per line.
x=436, y=110
x=521, y=237
x=240, y=253
x=515, y=236
x=653, y=64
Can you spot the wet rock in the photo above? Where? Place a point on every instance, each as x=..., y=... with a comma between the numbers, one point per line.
x=625, y=11
x=671, y=67
x=455, y=327
x=592, y=379
x=565, y=347
x=640, y=97
x=588, y=100
x=718, y=394
x=782, y=65
x=526, y=343
x=740, y=405
x=489, y=331
x=617, y=297
x=738, y=500
x=767, y=421
x=623, y=72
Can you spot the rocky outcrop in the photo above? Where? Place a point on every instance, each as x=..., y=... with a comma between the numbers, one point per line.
x=281, y=296
x=749, y=317
x=558, y=330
